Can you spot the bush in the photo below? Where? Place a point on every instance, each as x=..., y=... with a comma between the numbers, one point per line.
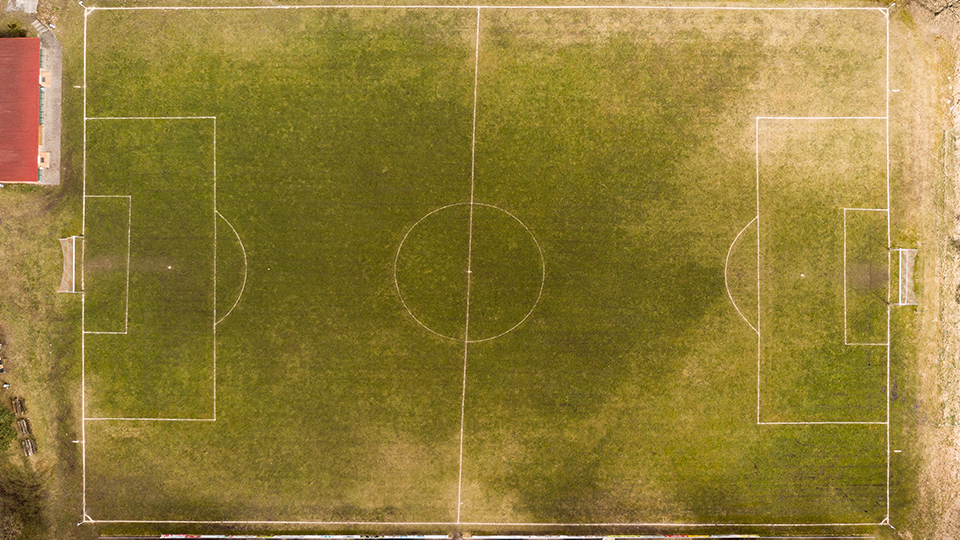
x=13, y=30
x=8, y=431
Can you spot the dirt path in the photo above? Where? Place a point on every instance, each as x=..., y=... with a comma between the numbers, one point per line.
x=52, y=63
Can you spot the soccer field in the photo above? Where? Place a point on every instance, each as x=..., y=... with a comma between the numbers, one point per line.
x=445, y=267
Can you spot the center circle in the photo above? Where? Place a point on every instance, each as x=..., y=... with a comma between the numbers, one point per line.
x=469, y=271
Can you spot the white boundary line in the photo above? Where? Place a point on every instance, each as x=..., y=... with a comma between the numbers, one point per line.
x=130, y=419
x=490, y=524
x=846, y=340
x=214, y=118
x=726, y=266
x=489, y=6
x=126, y=300
x=87, y=10
x=243, y=285
x=83, y=296
x=215, y=214
x=886, y=13
x=466, y=324
x=824, y=423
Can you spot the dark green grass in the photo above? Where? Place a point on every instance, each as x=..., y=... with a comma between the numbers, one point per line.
x=632, y=392
x=332, y=403
x=867, y=277
x=623, y=140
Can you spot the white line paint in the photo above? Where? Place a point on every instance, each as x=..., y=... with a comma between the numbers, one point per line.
x=214, y=321
x=821, y=117
x=845, y=209
x=214, y=318
x=756, y=141
x=543, y=272
x=825, y=423
x=126, y=285
x=472, y=7
x=214, y=118
x=490, y=523
x=466, y=324
x=86, y=518
x=726, y=281
x=887, y=120
x=243, y=285
x=139, y=419
x=83, y=296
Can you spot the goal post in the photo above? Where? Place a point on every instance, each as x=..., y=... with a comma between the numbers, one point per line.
x=906, y=294
x=68, y=279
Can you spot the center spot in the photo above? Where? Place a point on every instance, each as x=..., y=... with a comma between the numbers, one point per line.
x=503, y=264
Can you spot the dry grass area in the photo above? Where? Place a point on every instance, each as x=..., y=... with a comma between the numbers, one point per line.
x=41, y=348
x=928, y=211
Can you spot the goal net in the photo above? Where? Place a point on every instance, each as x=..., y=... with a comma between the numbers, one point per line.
x=68, y=280
x=906, y=295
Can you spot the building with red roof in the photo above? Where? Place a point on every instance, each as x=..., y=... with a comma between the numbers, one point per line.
x=20, y=115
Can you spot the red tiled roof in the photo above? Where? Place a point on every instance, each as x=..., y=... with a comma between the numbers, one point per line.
x=19, y=109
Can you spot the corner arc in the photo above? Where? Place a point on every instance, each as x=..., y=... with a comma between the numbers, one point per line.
x=243, y=285
x=726, y=269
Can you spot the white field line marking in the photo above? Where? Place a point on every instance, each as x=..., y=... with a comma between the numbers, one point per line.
x=823, y=423
x=243, y=285
x=215, y=214
x=126, y=300
x=396, y=259
x=105, y=333
x=479, y=7
x=471, y=7
x=492, y=524
x=726, y=281
x=466, y=324
x=153, y=419
x=214, y=118
x=83, y=295
x=543, y=272
x=821, y=117
x=887, y=344
x=126, y=311
x=756, y=141
x=887, y=54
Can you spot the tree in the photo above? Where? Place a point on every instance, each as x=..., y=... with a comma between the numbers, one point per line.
x=10, y=526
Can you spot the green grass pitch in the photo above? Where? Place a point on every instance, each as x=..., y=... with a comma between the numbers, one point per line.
x=478, y=266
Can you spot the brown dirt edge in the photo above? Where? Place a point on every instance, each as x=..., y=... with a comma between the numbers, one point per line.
x=936, y=510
